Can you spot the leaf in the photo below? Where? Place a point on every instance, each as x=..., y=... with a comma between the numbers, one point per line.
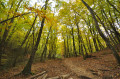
x=3, y=4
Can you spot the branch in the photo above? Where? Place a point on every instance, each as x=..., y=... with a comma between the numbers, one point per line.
x=37, y=75
x=60, y=77
x=113, y=6
x=16, y=17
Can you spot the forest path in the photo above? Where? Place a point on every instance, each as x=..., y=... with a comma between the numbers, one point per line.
x=79, y=71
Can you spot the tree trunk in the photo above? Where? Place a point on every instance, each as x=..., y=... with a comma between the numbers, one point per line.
x=79, y=38
x=0, y=58
x=67, y=47
x=14, y=62
x=67, y=43
x=42, y=55
x=74, y=49
x=100, y=44
x=65, y=54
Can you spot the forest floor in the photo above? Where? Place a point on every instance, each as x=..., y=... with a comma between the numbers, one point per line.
x=102, y=65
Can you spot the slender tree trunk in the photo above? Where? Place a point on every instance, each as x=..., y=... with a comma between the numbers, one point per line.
x=88, y=43
x=67, y=47
x=42, y=55
x=82, y=46
x=78, y=36
x=54, y=48
x=90, y=49
x=14, y=62
x=86, y=54
x=50, y=53
x=100, y=44
x=74, y=49
x=67, y=50
x=0, y=35
x=65, y=54
x=70, y=47
x=0, y=57
x=95, y=43
x=51, y=48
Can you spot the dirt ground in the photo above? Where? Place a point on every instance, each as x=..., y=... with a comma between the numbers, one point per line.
x=102, y=65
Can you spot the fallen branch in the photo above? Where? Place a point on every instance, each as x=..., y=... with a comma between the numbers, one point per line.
x=42, y=77
x=37, y=75
x=57, y=77
x=60, y=77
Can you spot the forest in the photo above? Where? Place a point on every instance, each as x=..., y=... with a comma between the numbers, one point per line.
x=42, y=36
